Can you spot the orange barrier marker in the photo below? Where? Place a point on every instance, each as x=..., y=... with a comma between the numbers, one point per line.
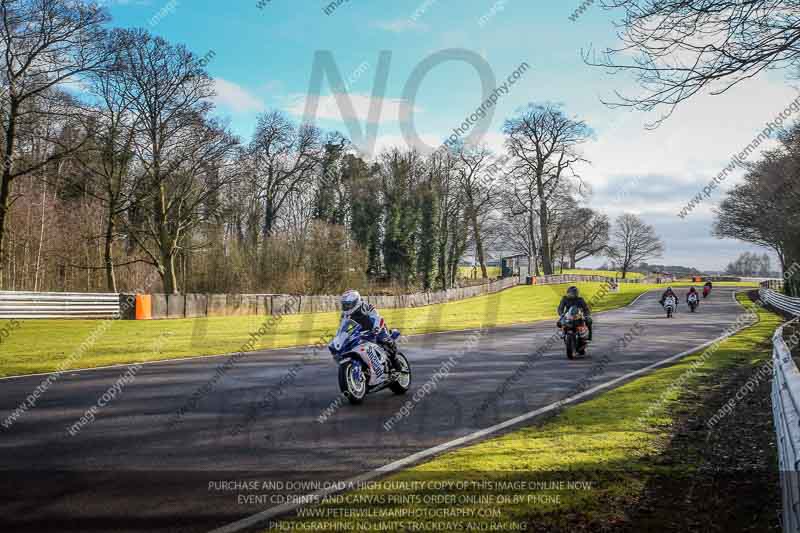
x=144, y=307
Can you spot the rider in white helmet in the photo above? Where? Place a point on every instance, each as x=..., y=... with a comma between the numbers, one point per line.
x=365, y=314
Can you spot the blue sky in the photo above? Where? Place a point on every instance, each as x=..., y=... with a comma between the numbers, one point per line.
x=264, y=57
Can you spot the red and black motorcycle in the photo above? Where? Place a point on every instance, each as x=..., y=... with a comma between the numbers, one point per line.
x=574, y=331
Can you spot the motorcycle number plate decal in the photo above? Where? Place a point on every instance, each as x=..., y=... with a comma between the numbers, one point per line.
x=376, y=363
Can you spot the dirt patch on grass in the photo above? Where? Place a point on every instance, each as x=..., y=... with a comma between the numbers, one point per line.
x=719, y=472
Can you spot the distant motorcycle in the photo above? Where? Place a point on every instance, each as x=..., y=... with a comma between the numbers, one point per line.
x=574, y=331
x=693, y=300
x=670, y=304
x=364, y=365
x=706, y=291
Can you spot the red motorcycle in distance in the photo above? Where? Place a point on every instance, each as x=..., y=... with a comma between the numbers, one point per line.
x=706, y=291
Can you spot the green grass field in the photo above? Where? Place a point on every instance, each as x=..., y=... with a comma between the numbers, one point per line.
x=41, y=345
x=611, y=439
x=608, y=273
x=467, y=272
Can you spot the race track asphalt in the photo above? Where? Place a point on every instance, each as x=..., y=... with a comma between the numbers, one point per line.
x=138, y=468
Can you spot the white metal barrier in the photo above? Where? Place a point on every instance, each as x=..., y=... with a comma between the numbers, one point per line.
x=786, y=416
x=14, y=304
x=786, y=411
x=780, y=301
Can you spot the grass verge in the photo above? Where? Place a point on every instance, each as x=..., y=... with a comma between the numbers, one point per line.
x=469, y=272
x=583, y=469
x=42, y=345
x=609, y=273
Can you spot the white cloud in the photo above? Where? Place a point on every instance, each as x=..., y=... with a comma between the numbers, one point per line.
x=235, y=98
x=655, y=173
x=401, y=25
x=695, y=143
x=328, y=107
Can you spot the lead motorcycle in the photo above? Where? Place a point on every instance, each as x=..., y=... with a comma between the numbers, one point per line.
x=670, y=304
x=574, y=331
x=364, y=365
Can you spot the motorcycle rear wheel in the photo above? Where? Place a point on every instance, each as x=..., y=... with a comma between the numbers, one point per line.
x=403, y=382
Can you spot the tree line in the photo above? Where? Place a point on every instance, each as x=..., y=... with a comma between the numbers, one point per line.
x=765, y=208
x=116, y=165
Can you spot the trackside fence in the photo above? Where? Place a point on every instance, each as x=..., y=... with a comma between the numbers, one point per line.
x=786, y=411
x=780, y=301
x=213, y=305
x=15, y=304
x=160, y=306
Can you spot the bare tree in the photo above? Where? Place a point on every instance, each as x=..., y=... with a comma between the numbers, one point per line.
x=283, y=159
x=586, y=234
x=681, y=47
x=108, y=157
x=749, y=264
x=451, y=233
x=44, y=43
x=633, y=242
x=479, y=193
x=181, y=151
x=542, y=142
x=519, y=233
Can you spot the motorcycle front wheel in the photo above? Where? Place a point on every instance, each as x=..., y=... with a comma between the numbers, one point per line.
x=352, y=387
x=403, y=381
x=569, y=341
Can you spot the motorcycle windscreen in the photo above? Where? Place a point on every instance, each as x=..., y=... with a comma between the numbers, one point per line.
x=347, y=328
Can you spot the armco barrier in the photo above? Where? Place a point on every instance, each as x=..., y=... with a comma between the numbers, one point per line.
x=786, y=416
x=780, y=301
x=15, y=304
x=786, y=411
